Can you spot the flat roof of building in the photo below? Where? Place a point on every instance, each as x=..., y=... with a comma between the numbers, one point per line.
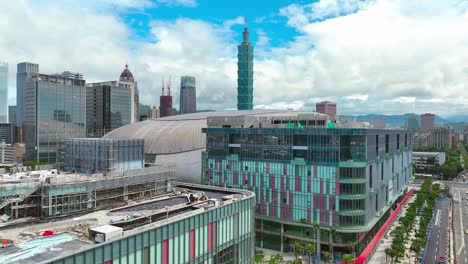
x=186, y=200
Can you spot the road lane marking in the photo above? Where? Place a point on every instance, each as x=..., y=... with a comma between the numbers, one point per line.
x=437, y=219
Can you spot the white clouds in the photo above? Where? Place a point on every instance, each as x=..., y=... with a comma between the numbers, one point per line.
x=301, y=15
x=388, y=49
x=189, y=3
x=358, y=97
x=263, y=39
x=386, y=56
x=130, y=3
x=235, y=21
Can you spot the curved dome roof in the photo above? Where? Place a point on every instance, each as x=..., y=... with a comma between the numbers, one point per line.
x=175, y=134
x=126, y=75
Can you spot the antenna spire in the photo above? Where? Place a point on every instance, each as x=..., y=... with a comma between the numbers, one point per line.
x=245, y=34
x=169, y=86
x=163, y=85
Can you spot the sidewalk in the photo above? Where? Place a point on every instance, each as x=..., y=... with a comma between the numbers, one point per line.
x=386, y=241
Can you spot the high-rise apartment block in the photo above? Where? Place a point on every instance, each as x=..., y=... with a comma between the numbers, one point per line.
x=427, y=122
x=54, y=110
x=108, y=106
x=326, y=107
x=245, y=72
x=188, y=95
x=3, y=92
x=420, y=140
x=23, y=74
x=440, y=137
x=304, y=171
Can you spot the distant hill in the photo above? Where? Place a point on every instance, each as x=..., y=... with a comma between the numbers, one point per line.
x=458, y=126
x=396, y=120
x=458, y=119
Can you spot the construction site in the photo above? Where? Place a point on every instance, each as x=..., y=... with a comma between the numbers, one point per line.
x=205, y=222
x=26, y=196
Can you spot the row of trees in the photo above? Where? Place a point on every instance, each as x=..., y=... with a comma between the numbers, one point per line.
x=424, y=203
x=299, y=251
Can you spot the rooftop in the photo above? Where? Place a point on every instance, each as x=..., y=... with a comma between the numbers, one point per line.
x=76, y=233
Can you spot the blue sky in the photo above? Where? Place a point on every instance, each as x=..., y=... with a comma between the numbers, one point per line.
x=370, y=56
x=261, y=15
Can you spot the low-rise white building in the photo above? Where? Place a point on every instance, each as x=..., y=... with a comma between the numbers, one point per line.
x=424, y=160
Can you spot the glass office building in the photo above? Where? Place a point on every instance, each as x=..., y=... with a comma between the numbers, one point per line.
x=3, y=92
x=24, y=72
x=305, y=172
x=188, y=95
x=108, y=106
x=54, y=111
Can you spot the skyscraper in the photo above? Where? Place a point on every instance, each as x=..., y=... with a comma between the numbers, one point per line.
x=188, y=95
x=12, y=114
x=427, y=122
x=326, y=107
x=165, y=101
x=108, y=106
x=412, y=124
x=245, y=72
x=3, y=92
x=54, y=110
x=127, y=77
x=24, y=71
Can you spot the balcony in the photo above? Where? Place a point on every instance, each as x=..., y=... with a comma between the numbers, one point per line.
x=351, y=212
x=352, y=196
x=357, y=181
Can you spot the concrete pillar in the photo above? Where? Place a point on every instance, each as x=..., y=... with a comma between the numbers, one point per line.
x=261, y=233
x=282, y=232
x=50, y=205
x=89, y=198
x=125, y=191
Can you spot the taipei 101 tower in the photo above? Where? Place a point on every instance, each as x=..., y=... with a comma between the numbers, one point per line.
x=245, y=72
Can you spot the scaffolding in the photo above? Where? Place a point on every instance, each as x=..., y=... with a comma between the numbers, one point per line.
x=45, y=195
x=87, y=155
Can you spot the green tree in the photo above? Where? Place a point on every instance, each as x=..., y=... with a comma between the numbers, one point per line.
x=348, y=259
x=351, y=247
x=276, y=259
x=327, y=257
x=298, y=249
x=388, y=252
x=309, y=249
x=259, y=258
